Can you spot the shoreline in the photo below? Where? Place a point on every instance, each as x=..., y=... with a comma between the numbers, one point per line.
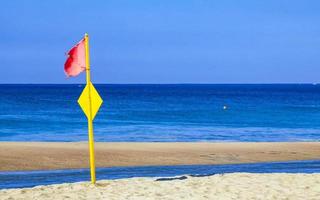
x=220, y=186
x=24, y=156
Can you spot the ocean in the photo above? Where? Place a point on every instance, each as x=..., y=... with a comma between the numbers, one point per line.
x=163, y=113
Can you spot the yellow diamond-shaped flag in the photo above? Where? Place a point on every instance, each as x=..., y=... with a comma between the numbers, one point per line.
x=84, y=100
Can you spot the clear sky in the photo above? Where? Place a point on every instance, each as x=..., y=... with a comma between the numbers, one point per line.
x=165, y=41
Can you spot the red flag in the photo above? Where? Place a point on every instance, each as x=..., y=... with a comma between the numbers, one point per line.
x=76, y=61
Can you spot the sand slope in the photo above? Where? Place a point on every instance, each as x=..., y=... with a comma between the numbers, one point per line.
x=54, y=155
x=229, y=186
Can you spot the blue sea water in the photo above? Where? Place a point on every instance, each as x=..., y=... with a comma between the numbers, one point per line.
x=185, y=112
x=33, y=178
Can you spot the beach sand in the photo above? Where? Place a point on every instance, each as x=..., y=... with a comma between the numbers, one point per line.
x=236, y=186
x=46, y=155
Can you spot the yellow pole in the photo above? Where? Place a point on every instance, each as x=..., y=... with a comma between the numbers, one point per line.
x=90, y=125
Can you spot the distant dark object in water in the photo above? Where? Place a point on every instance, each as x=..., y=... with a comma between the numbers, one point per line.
x=173, y=178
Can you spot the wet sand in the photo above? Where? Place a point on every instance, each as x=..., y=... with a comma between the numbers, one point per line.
x=57, y=155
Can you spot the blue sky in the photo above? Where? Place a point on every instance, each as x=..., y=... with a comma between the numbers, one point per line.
x=145, y=41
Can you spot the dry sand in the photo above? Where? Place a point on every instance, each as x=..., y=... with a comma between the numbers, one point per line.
x=238, y=186
x=44, y=156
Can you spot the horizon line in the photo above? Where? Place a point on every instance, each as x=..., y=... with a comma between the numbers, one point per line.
x=289, y=83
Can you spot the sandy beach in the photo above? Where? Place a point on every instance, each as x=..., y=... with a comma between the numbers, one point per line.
x=225, y=186
x=46, y=155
